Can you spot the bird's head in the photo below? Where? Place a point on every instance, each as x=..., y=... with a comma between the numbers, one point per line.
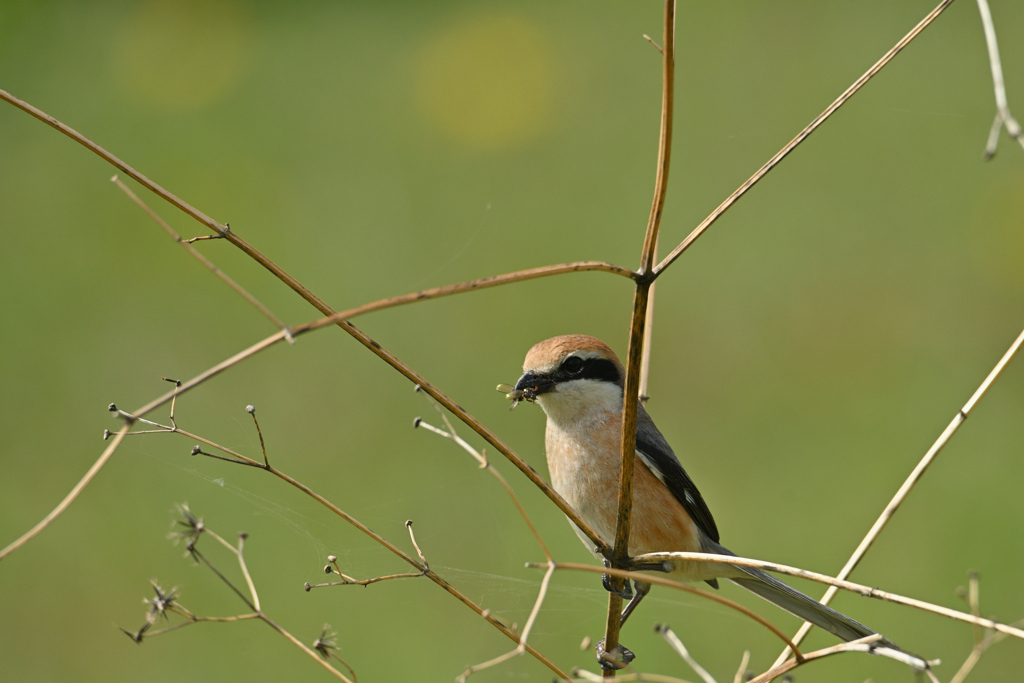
x=572, y=377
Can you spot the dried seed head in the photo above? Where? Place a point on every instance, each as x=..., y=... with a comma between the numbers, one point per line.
x=250, y=409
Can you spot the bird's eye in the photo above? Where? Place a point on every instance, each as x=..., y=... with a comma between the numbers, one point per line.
x=573, y=365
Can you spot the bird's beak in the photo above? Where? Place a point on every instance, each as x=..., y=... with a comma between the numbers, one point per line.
x=531, y=385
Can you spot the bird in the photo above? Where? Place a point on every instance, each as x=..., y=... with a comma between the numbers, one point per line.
x=578, y=381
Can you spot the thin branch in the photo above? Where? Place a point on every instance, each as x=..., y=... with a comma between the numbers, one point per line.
x=192, y=619
x=662, y=581
x=983, y=640
x=1003, y=115
x=72, y=494
x=831, y=581
x=333, y=568
x=865, y=644
x=486, y=282
x=202, y=259
x=912, y=480
x=305, y=648
x=818, y=120
x=673, y=640
x=245, y=571
x=740, y=672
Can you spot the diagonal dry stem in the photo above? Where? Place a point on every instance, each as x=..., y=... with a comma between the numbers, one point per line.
x=912, y=480
x=865, y=644
x=761, y=172
x=72, y=494
x=676, y=644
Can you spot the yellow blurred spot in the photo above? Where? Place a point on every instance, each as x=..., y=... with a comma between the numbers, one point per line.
x=182, y=54
x=487, y=81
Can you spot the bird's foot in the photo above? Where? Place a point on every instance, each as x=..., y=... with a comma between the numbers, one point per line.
x=617, y=586
x=623, y=590
x=617, y=659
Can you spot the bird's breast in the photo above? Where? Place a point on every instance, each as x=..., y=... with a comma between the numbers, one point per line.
x=584, y=463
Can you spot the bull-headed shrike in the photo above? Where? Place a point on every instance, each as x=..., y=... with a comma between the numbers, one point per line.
x=578, y=382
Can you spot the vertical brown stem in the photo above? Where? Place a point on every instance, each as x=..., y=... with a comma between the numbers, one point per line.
x=638, y=323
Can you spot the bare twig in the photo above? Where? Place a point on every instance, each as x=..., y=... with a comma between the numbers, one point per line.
x=912, y=480
x=818, y=120
x=72, y=494
x=333, y=568
x=865, y=644
x=1003, y=115
x=186, y=244
x=983, y=639
x=673, y=640
x=740, y=672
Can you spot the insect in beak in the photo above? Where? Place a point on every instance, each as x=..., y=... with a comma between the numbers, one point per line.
x=512, y=394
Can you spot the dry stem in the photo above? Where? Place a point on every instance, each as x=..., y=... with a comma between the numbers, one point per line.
x=673, y=640
x=635, y=352
x=911, y=481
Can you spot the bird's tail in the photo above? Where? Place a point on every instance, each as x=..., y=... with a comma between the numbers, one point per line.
x=803, y=606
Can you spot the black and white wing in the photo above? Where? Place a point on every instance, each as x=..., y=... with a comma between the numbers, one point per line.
x=657, y=455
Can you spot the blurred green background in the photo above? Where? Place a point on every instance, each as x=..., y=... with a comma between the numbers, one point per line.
x=806, y=351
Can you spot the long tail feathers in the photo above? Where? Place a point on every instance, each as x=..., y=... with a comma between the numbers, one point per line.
x=805, y=607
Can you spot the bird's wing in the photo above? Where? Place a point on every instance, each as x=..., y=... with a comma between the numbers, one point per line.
x=658, y=456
